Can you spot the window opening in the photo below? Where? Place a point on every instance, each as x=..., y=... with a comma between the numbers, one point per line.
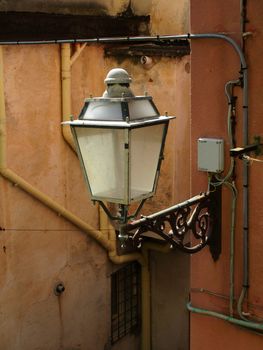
x=125, y=301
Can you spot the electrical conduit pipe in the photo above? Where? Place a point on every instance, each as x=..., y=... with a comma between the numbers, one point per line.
x=233, y=320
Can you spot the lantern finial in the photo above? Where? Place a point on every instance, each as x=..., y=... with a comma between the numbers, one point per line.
x=118, y=84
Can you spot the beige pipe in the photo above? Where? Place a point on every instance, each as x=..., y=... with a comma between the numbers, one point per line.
x=66, y=93
x=2, y=116
x=79, y=49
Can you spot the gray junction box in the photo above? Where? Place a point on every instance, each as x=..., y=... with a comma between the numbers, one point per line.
x=210, y=155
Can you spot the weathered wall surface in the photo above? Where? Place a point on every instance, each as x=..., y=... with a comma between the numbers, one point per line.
x=170, y=292
x=89, y=7
x=214, y=62
x=38, y=248
x=105, y=7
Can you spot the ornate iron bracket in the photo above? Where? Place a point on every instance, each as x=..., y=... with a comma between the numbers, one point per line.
x=188, y=226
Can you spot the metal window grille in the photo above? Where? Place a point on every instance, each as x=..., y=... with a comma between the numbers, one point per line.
x=125, y=301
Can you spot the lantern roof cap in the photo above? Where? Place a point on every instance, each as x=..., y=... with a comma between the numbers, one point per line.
x=118, y=76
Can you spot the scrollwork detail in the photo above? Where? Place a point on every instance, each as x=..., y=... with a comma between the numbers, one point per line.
x=186, y=226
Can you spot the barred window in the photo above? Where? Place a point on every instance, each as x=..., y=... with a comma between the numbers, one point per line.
x=125, y=301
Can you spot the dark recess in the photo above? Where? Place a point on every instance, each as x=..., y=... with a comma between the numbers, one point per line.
x=176, y=48
x=42, y=26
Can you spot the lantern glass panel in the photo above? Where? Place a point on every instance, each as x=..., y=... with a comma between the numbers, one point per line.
x=141, y=109
x=103, y=110
x=145, y=148
x=103, y=157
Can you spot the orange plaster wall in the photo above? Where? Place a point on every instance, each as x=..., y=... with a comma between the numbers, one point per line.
x=37, y=247
x=213, y=63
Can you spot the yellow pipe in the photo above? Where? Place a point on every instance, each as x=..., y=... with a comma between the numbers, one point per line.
x=66, y=93
x=2, y=116
x=108, y=230
x=80, y=48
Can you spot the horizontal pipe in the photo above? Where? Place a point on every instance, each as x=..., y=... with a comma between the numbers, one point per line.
x=233, y=320
x=111, y=40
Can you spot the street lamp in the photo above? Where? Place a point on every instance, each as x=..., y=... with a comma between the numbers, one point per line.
x=120, y=140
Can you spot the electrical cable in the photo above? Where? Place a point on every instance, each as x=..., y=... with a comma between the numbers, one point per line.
x=251, y=159
x=226, y=181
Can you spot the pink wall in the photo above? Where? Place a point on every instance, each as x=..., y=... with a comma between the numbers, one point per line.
x=213, y=63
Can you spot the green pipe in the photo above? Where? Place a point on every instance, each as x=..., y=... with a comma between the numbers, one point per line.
x=233, y=320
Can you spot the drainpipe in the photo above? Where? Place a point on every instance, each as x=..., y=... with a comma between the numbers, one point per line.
x=66, y=93
x=3, y=165
x=66, y=62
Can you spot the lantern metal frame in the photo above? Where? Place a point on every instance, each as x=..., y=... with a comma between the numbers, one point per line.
x=126, y=122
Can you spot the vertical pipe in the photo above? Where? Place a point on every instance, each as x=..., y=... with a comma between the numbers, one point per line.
x=2, y=115
x=66, y=92
x=243, y=12
x=245, y=165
